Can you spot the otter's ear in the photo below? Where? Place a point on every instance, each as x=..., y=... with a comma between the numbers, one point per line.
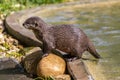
x=36, y=24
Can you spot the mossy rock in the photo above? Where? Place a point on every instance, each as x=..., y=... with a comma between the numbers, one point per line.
x=31, y=60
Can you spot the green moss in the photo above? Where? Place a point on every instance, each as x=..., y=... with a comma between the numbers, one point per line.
x=13, y=54
x=7, y=45
x=25, y=50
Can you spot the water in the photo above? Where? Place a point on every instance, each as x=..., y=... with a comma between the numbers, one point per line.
x=101, y=22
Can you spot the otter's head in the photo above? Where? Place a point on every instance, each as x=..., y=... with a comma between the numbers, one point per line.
x=33, y=23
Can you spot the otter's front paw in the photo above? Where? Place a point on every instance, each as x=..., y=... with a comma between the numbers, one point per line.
x=44, y=55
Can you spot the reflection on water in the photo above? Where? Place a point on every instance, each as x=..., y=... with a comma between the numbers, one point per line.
x=102, y=24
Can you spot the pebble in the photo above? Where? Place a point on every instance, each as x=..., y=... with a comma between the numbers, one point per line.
x=1, y=22
x=7, y=41
x=2, y=39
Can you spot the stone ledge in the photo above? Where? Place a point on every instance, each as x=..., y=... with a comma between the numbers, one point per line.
x=13, y=27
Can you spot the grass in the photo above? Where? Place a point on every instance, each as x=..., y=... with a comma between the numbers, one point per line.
x=9, y=6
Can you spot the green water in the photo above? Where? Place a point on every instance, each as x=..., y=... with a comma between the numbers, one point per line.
x=102, y=24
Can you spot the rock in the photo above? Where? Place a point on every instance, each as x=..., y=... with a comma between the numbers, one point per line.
x=62, y=77
x=31, y=60
x=51, y=65
x=78, y=70
x=20, y=33
x=10, y=69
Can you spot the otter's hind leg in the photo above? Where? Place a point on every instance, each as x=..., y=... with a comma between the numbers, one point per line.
x=70, y=58
x=76, y=54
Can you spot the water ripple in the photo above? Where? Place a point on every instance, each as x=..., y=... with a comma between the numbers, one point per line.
x=113, y=32
x=101, y=42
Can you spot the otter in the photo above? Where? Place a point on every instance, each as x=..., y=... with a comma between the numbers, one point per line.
x=64, y=37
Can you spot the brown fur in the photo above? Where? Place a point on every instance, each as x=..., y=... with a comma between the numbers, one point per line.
x=64, y=37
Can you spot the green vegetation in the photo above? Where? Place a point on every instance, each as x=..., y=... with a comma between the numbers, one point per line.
x=9, y=6
x=10, y=47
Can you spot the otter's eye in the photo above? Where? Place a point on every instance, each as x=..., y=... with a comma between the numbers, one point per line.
x=36, y=24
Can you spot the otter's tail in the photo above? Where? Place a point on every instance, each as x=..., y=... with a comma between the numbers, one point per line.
x=92, y=49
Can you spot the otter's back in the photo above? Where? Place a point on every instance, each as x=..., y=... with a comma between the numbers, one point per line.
x=66, y=37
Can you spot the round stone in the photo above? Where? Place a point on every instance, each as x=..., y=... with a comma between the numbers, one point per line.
x=51, y=65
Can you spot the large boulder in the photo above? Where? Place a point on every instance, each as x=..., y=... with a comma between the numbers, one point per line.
x=48, y=66
x=51, y=65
